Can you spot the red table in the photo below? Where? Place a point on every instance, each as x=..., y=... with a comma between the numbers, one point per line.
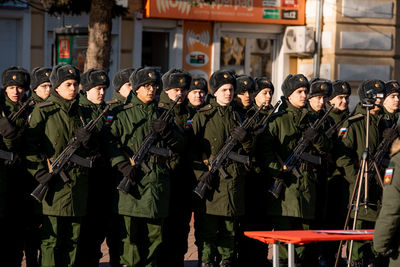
x=301, y=237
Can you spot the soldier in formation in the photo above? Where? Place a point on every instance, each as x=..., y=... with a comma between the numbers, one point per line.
x=133, y=170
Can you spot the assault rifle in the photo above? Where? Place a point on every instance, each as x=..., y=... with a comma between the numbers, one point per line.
x=66, y=157
x=225, y=153
x=12, y=118
x=378, y=159
x=146, y=147
x=290, y=165
x=264, y=120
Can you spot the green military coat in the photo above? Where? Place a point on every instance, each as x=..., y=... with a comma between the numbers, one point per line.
x=351, y=148
x=9, y=175
x=387, y=235
x=298, y=198
x=52, y=125
x=211, y=127
x=150, y=198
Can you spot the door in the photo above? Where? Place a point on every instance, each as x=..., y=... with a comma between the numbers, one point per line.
x=155, y=50
x=9, y=32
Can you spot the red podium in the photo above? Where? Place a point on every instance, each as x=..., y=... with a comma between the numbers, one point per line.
x=301, y=237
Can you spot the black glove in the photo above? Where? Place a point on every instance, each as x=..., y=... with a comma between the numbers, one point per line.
x=127, y=171
x=310, y=134
x=160, y=127
x=83, y=136
x=43, y=176
x=239, y=134
x=7, y=130
x=389, y=253
x=206, y=178
x=390, y=134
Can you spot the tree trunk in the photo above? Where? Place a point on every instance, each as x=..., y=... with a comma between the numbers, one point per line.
x=99, y=44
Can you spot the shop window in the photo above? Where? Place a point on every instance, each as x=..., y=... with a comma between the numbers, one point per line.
x=247, y=55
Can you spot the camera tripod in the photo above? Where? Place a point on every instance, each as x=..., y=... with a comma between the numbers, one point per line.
x=361, y=186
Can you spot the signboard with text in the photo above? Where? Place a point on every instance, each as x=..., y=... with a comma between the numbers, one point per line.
x=289, y=12
x=197, y=46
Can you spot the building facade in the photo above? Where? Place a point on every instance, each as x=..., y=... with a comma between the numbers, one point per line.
x=257, y=37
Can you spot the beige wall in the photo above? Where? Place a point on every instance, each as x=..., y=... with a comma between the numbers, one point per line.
x=357, y=42
x=37, y=38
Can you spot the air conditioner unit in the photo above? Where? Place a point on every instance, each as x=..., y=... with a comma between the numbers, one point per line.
x=299, y=40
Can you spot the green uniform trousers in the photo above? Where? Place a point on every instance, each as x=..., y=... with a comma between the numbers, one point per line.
x=215, y=237
x=60, y=238
x=363, y=249
x=141, y=238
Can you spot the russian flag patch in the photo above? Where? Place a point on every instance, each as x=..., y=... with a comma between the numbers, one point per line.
x=387, y=179
x=342, y=132
x=109, y=118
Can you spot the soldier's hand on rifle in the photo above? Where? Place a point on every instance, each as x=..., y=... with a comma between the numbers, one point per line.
x=239, y=134
x=160, y=127
x=7, y=129
x=206, y=178
x=390, y=134
x=310, y=134
x=42, y=176
x=127, y=171
x=83, y=136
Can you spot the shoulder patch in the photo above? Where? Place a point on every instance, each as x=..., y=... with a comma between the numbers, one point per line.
x=128, y=106
x=342, y=132
x=205, y=108
x=44, y=104
x=355, y=117
x=387, y=179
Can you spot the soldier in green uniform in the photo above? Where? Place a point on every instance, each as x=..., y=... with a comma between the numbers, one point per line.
x=353, y=144
x=253, y=252
x=176, y=82
x=244, y=94
x=390, y=112
x=294, y=208
x=52, y=125
x=197, y=93
x=216, y=219
x=40, y=84
x=15, y=81
x=146, y=205
x=122, y=85
x=337, y=194
x=95, y=226
x=386, y=235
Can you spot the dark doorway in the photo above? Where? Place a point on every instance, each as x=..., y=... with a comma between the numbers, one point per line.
x=155, y=50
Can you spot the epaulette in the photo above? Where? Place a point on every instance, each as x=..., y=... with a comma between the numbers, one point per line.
x=112, y=101
x=44, y=104
x=205, y=108
x=355, y=117
x=127, y=106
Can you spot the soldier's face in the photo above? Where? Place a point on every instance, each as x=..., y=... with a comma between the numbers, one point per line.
x=298, y=97
x=173, y=93
x=245, y=98
x=196, y=97
x=96, y=94
x=391, y=102
x=68, y=89
x=15, y=93
x=146, y=93
x=317, y=102
x=43, y=90
x=263, y=97
x=125, y=89
x=341, y=102
x=224, y=94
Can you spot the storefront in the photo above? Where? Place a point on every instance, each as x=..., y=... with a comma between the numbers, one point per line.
x=243, y=35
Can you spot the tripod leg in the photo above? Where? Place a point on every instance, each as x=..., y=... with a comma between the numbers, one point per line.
x=378, y=175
